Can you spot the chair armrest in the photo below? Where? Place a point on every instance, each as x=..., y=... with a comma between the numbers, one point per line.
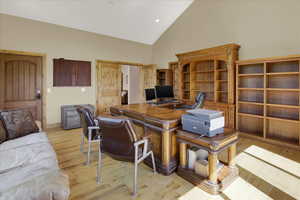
x=138, y=143
x=145, y=147
x=93, y=127
x=147, y=137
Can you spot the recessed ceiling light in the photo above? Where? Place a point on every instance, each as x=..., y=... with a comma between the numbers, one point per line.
x=157, y=20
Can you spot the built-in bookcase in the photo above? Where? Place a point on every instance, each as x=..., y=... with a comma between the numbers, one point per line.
x=164, y=77
x=174, y=67
x=208, y=76
x=211, y=71
x=186, y=81
x=267, y=98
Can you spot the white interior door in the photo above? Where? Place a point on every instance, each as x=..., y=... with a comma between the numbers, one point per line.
x=134, y=85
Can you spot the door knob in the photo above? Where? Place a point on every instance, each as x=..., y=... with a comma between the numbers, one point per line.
x=38, y=94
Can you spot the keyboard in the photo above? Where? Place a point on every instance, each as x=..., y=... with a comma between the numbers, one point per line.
x=168, y=101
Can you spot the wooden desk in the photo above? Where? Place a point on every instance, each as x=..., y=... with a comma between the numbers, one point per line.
x=214, y=145
x=160, y=123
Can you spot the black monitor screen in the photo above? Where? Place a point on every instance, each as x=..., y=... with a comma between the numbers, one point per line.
x=164, y=91
x=150, y=94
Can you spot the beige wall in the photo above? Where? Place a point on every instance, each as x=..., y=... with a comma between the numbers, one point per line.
x=263, y=28
x=61, y=42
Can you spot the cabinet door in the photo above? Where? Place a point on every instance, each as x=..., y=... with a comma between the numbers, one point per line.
x=71, y=73
x=83, y=73
x=63, y=73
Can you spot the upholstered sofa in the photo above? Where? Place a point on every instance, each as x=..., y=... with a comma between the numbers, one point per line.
x=28, y=165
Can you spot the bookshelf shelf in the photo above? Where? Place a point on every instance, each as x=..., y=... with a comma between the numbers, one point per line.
x=204, y=81
x=283, y=106
x=282, y=73
x=222, y=70
x=250, y=103
x=268, y=90
x=251, y=115
x=259, y=89
x=258, y=74
x=283, y=89
x=205, y=71
x=283, y=119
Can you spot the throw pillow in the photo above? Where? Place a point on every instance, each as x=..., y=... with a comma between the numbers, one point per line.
x=3, y=136
x=18, y=123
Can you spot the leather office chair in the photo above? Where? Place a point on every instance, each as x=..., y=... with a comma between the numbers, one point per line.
x=91, y=130
x=199, y=100
x=120, y=142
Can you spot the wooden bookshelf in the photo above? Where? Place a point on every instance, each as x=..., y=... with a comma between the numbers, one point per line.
x=268, y=103
x=210, y=71
x=164, y=77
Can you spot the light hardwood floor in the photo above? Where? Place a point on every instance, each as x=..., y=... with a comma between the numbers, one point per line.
x=266, y=172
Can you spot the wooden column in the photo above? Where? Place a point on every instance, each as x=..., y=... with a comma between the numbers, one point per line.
x=212, y=164
x=166, y=148
x=2, y=82
x=231, y=155
x=182, y=154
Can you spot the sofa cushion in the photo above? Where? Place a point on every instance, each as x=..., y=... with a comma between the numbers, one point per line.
x=22, y=174
x=34, y=138
x=49, y=186
x=18, y=123
x=29, y=170
x=25, y=155
x=3, y=136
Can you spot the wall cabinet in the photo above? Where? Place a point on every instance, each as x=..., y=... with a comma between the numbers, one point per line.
x=71, y=73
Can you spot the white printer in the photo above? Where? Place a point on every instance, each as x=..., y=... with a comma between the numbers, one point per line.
x=203, y=121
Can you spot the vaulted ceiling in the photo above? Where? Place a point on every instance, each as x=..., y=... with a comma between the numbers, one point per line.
x=136, y=20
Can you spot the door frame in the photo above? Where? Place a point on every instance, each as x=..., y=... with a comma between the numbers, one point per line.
x=44, y=79
x=99, y=61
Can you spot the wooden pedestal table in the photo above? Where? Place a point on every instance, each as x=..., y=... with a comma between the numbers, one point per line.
x=214, y=145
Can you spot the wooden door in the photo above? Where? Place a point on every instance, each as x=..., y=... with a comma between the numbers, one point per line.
x=21, y=83
x=108, y=86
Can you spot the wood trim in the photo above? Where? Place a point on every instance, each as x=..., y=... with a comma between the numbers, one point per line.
x=202, y=51
x=268, y=59
x=122, y=63
x=44, y=78
x=25, y=53
x=173, y=63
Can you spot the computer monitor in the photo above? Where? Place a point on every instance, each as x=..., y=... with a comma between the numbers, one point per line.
x=164, y=91
x=150, y=94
